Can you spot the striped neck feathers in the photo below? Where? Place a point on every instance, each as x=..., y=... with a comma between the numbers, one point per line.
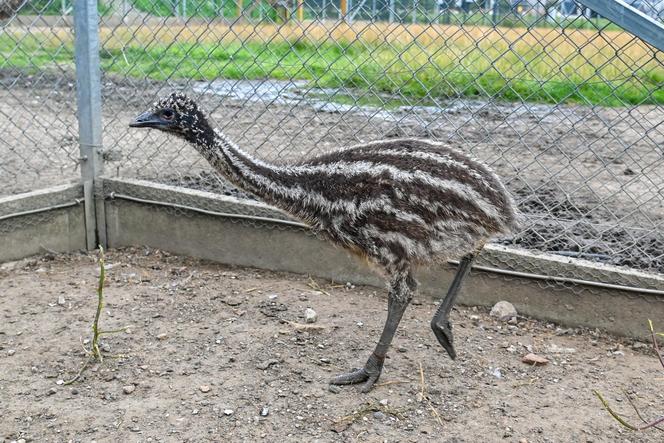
x=239, y=167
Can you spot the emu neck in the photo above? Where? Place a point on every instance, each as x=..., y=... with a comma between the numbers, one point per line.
x=240, y=168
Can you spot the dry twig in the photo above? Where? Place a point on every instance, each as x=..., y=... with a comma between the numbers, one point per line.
x=425, y=397
x=94, y=353
x=647, y=424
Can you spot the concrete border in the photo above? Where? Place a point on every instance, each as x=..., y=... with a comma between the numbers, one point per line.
x=145, y=213
x=46, y=220
x=239, y=232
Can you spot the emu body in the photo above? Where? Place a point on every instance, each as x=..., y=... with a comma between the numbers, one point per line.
x=400, y=203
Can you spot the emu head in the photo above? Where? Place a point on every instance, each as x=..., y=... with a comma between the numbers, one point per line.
x=179, y=115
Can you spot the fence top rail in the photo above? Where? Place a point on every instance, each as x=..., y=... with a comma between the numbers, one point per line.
x=630, y=19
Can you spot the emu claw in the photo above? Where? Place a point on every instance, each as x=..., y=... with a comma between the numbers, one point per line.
x=368, y=375
x=445, y=337
x=355, y=377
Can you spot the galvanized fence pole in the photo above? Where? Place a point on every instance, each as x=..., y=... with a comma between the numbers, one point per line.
x=88, y=90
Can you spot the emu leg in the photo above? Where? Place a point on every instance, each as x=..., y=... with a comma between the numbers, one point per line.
x=398, y=300
x=440, y=323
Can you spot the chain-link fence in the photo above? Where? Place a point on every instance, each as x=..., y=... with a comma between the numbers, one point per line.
x=563, y=103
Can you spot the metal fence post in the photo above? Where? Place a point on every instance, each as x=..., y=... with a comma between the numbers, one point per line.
x=88, y=91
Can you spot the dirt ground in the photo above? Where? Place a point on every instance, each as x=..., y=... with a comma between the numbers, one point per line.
x=218, y=353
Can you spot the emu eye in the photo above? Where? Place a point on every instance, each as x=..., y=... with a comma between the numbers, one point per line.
x=167, y=114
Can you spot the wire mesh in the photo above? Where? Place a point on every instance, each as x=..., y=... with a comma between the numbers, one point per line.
x=562, y=103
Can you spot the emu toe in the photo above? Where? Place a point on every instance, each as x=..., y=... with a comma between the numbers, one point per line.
x=445, y=337
x=357, y=376
x=368, y=375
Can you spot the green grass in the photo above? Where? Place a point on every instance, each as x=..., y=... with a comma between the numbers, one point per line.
x=380, y=69
x=202, y=8
x=409, y=71
x=55, y=7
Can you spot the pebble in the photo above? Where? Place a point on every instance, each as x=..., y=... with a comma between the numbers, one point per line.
x=267, y=363
x=379, y=415
x=11, y=352
x=310, y=316
x=128, y=389
x=162, y=336
x=51, y=391
x=503, y=310
x=334, y=389
x=555, y=349
x=228, y=412
x=640, y=346
x=204, y=388
x=233, y=301
x=265, y=411
x=534, y=359
x=383, y=402
x=61, y=300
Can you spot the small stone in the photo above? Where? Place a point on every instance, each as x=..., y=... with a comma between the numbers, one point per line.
x=228, y=412
x=233, y=301
x=310, y=316
x=11, y=352
x=60, y=382
x=74, y=391
x=383, y=402
x=162, y=336
x=496, y=372
x=51, y=391
x=106, y=347
x=534, y=359
x=555, y=349
x=61, y=300
x=272, y=296
x=334, y=389
x=204, y=388
x=128, y=389
x=379, y=415
x=523, y=440
x=265, y=411
x=503, y=310
x=266, y=364
x=194, y=412
x=34, y=369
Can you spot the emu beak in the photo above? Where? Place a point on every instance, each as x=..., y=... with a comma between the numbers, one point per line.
x=148, y=120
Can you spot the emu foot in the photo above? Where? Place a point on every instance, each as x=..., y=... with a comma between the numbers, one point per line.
x=444, y=336
x=368, y=375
